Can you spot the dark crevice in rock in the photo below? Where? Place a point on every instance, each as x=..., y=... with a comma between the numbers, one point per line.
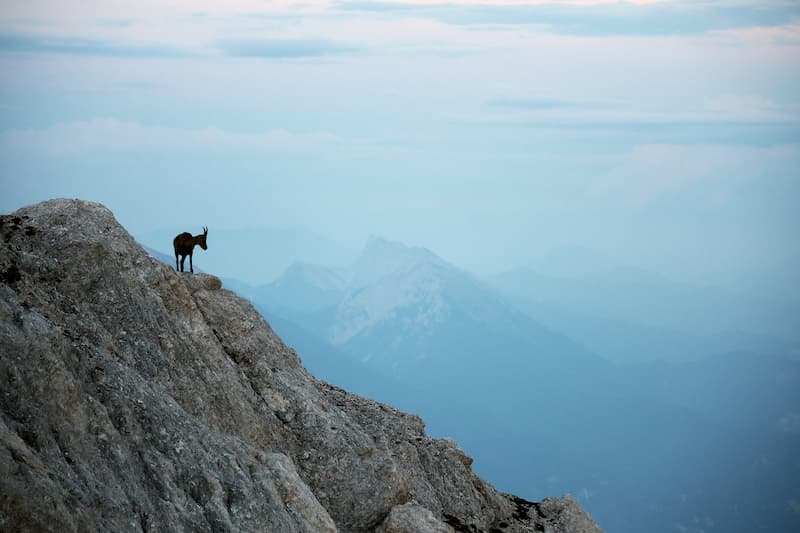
x=459, y=526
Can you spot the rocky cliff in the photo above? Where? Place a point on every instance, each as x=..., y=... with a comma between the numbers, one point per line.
x=136, y=398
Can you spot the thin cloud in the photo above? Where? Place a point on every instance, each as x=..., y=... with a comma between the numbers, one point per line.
x=111, y=135
x=290, y=48
x=286, y=48
x=600, y=19
x=548, y=104
x=729, y=119
x=115, y=23
x=730, y=109
x=700, y=173
x=29, y=43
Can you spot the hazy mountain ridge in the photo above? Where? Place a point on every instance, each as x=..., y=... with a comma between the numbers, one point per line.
x=651, y=427
x=139, y=398
x=381, y=258
x=654, y=302
x=304, y=286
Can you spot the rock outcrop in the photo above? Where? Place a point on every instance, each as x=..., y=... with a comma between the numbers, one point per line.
x=136, y=398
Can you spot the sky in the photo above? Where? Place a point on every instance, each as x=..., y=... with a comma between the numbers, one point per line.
x=663, y=134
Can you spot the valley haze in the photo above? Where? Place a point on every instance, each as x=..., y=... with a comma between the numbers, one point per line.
x=637, y=394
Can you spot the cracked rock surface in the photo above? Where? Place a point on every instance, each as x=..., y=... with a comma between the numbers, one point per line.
x=137, y=398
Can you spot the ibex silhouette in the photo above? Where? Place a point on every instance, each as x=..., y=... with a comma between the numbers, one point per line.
x=184, y=245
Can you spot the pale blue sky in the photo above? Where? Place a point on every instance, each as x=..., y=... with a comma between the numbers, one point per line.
x=664, y=134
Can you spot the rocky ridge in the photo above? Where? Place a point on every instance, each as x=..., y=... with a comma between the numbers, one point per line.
x=137, y=398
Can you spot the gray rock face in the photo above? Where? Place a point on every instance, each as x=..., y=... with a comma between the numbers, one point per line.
x=136, y=398
x=412, y=518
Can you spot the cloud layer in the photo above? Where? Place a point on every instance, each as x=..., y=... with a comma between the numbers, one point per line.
x=285, y=48
x=599, y=18
x=654, y=131
x=30, y=43
x=108, y=135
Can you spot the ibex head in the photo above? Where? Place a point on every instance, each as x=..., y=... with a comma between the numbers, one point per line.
x=201, y=239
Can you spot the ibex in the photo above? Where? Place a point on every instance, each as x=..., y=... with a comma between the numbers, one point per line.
x=184, y=245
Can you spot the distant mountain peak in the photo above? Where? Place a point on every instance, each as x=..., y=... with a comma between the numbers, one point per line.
x=380, y=245
x=417, y=290
x=314, y=275
x=381, y=258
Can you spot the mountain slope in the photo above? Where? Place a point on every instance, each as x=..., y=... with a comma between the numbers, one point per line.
x=322, y=359
x=642, y=446
x=137, y=398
